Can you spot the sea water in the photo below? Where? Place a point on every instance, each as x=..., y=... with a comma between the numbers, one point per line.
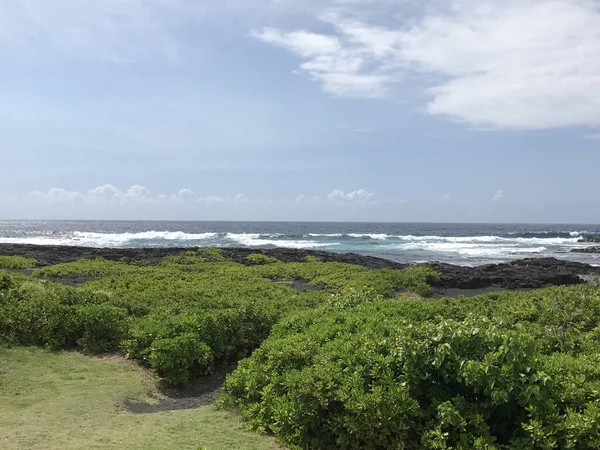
x=463, y=244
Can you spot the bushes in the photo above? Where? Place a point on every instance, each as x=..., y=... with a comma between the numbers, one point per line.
x=225, y=334
x=17, y=262
x=186, y=314
x=102, y=327
x=440, y=375
x=259, y=258
x=180, y=358
x=34, y=314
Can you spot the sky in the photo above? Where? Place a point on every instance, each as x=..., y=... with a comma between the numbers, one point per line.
x=349, y=110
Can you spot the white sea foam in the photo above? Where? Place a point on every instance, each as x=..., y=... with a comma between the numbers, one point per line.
x=377, y=236
x=38, y=240
x=490, y=240
x=500, y=251
x=469, y=249
x=324, y=235
x=257, y=240
x=145, y=235
x=88, y=239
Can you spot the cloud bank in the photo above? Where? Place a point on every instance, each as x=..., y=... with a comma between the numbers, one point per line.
x=505, y=64
x=140, y=202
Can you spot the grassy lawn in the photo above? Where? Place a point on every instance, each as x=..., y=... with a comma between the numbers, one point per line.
x=62, y=400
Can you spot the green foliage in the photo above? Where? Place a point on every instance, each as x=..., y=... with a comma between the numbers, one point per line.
x=259, y=258
x=17, y=262
x=102, y=327
x=312, y=259
x=211, y=254
x=179, y=359
x=498, y=371
x=184, y=315
x=89, y=268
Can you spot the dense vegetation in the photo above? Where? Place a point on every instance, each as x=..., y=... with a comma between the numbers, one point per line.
x=16, y=262
x=510, y=370
x=182, y=317
x=338, y=356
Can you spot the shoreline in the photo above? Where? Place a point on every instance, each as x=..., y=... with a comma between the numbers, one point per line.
x=455, y=281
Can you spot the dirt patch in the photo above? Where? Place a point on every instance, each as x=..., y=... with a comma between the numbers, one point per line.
x=200, y=392
x=300, y=284
x=27, y=272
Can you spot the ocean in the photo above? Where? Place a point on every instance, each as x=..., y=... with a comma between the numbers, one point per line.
x=462, y=244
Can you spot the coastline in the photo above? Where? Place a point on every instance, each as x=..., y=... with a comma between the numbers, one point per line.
x=455, y=281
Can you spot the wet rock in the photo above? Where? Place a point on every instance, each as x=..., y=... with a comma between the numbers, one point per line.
x=586, y=250
x=594, y=239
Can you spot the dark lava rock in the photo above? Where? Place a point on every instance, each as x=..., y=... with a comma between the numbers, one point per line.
x=586, y=250
x=595, y=239
x=522, y=274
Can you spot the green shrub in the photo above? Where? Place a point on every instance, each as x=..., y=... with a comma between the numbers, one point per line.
x=102, y=327
x=229, y=307
x=180, y=358
x=17, y=262
x=86, y=268
x=211, y=254
x=312, y=259
x=464, y=373
x=228, y=334
x=259, y=258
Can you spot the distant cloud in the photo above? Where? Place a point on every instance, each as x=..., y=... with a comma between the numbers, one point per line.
x=105, y=195
x=110, y=195
x=488, y=63
x=447, y=197
x=498, y=195
x=186, y=192
x=236, y=199
x=594, y=136
x=359, y=196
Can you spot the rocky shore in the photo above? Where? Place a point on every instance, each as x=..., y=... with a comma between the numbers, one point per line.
x=586, y=250
x=525, y=274
x=587, y=239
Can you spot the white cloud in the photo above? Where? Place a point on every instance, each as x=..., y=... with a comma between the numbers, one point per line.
x=507, y=64
x=359, y=196
x=55, y=195
x=594, y=136
x=498, y=195
x=338, y=69
x=236, y=199
x=107, y=195
x=186, y=192
x=447, y=197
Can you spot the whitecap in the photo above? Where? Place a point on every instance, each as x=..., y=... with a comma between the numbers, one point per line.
x=377, y=236
x=257, y=240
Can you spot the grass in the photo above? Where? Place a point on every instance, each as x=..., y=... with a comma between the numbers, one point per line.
x=64, y=400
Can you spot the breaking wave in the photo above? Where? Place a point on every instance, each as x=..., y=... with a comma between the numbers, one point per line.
x=405, y=247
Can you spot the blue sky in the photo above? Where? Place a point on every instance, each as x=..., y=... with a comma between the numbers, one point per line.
x=370, y=110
